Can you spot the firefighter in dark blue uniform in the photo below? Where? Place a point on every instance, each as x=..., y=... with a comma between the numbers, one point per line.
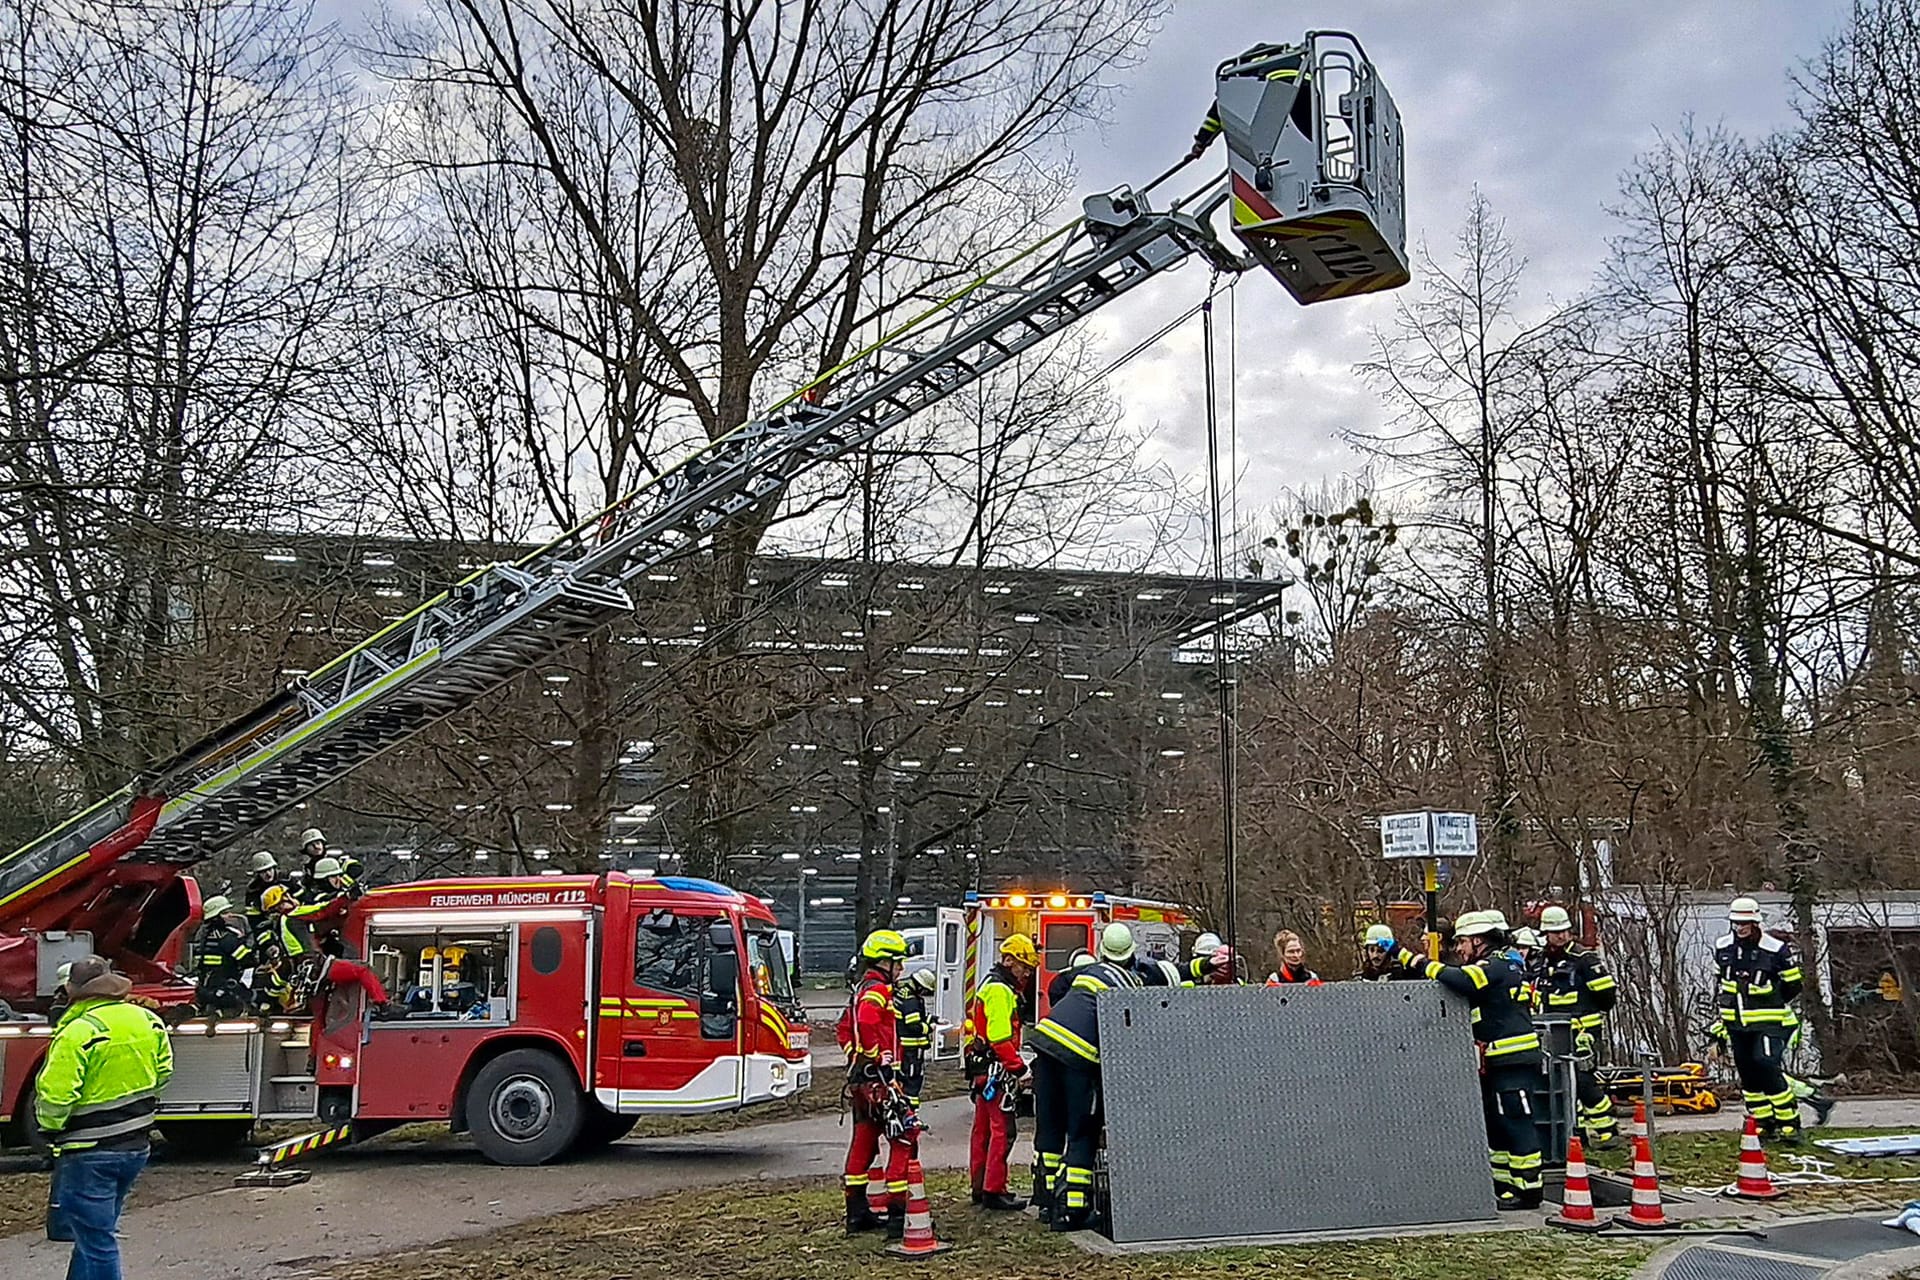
x=1066, y=1075
x=1760, y=977
x=1574, y=983
x=1509, y=1049
x=915, y=1029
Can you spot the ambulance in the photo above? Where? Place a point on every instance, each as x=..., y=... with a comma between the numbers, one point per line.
x=967, y=943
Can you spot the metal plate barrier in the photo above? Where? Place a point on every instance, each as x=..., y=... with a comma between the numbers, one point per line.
x=1559, y=1098
x=1246, y=1111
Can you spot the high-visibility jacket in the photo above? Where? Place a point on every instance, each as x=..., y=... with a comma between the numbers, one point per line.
x=992, y=1024
x=1758, y=979
x=867, y=1031
x=1575, y=984
x=1071, y=1030
x=279, y=930
x=108, y=1061
x=1501, y=1024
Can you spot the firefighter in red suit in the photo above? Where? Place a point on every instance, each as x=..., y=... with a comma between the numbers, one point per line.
x=994, y=1065
x=869, y=1038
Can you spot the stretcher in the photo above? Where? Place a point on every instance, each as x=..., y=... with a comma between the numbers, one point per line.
x=1682, y=1089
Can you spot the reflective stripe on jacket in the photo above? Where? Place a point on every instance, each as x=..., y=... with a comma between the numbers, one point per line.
x=1576, y=984
x=993, y=1017
x=1758, y=979
x=108, y=1061
x=1501, y=1023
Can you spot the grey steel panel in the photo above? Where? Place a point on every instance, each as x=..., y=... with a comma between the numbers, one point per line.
x=1704, y=1263
x=212, y=1073
x=1840, y=1239
x=1262, y=1110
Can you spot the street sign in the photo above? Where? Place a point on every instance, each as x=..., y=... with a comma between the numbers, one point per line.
x=1456, y=835
x=1405, y=835
x=1429, y=835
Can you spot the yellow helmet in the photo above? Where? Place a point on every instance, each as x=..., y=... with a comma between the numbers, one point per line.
x=1020, y=947
x=884, y=944
x=273, y=897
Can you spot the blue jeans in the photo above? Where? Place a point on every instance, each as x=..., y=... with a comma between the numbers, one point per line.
x=93, y=1189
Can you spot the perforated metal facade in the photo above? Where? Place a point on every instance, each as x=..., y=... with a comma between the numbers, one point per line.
x=1262, y=1110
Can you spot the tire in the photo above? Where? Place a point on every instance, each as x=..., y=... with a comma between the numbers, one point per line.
x=601, y=1128
x=525, y=1108
x=202, y=1139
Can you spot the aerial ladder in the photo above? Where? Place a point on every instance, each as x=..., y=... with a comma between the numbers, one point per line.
x=1314, y=177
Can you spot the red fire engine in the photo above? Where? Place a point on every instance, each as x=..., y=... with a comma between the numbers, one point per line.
x=543, y=1015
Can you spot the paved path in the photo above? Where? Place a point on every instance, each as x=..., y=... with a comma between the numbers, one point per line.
x=381, y=1199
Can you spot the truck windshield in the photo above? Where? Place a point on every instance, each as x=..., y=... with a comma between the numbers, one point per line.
x=769, y=960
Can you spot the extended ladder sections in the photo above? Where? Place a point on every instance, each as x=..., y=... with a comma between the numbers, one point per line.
x=509, y=617
x=1314, y=176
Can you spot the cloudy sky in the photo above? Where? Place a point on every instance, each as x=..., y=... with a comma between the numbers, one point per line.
x=1541, y=103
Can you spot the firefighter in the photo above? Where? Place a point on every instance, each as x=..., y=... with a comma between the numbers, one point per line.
x=1204, y=948
x=224, y=953
x=1377, y=948
x=1291, y=953
x=1573, y=982
x=1066, y=1075
x=1211, y=127
x=1063, y=981
x=994, y=1066
x=1509, y=1050
x=916, y=1033
x=280, y=947
x=1759, y=978
x=313, y=849
x=870, y=1038
x=265, y=872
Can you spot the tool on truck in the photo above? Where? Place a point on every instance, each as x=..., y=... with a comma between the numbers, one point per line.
x=1315, y=186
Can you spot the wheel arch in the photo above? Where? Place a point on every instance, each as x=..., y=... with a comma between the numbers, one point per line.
x=504, y=1044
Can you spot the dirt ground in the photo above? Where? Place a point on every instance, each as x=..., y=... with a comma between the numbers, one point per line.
x=23, y=1193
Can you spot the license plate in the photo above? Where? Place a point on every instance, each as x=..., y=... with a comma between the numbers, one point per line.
x=797, y=1039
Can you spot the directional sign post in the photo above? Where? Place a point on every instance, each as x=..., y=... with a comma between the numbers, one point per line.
x=1430, y=837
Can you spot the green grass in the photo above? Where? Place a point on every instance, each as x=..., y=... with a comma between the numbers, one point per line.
x=791, y=1231
x=1712, y=1159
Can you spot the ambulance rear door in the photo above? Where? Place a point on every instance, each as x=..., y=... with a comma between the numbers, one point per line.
x=1061, y=934
x=950, y=995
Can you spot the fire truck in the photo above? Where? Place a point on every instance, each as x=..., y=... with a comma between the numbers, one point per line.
x=1312, y=184
x=544, y=1016
x=1060, y=923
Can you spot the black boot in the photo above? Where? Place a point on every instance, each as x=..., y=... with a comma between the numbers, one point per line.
x=1002, y=1202
x=978, y=1195
x=1515, y=1201
x=860, y=1218
x=1822, y=1107
x=896, y=1222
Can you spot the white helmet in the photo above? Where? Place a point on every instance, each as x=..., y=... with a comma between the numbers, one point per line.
x=1525, y=937
x=1169, y=972
x=262, y=861
x=311, y=834
x=1116, y=942
x=1206, y=944
x=1555, y=920
x=1475, y=924
x=328, y=867
x=1081, y=959
x=1744, y=910
x=1378, y=933
x=218, y=905
x=1497, y=920
x=924, y=978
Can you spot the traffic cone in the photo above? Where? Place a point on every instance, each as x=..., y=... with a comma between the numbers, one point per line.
x=919, y=1241
x=877, y=1191
x=1576, y=1201
x=1754, y=1182
x=1646, y=1210
x=1640, y=1121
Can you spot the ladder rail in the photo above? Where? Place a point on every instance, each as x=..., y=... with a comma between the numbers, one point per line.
x=505, y=618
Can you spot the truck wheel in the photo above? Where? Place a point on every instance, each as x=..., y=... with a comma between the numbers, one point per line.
x=524, y=1108
x=602, y=1128
x=200, y=1139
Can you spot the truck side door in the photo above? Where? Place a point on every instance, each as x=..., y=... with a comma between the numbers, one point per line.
x=679, y=1017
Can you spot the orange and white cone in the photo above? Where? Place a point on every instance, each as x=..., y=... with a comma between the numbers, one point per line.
x=877, y=1191
x=1576, y=1201
x=1639, y=1129
x=1645, y=1210
x=1754, y=1182
x=919, y=1240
